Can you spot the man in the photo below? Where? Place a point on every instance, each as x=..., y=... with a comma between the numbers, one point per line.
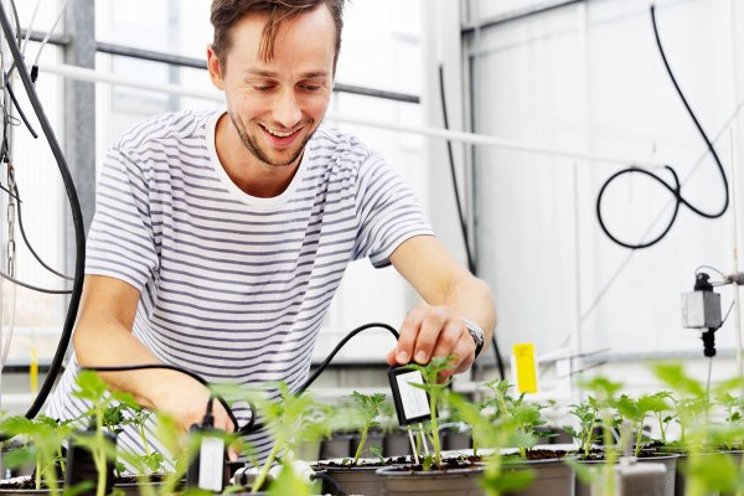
x=220, y=237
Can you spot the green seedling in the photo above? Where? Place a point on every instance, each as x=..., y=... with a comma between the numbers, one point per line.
x=605, y=392
x=526, y=417
x=107, y=414
x=700, y=435
x=291, y=419
x=636, y=411
x=431, y=373
x=588, y=415
x=45, y=437
x=369, y=408
x=495, y=433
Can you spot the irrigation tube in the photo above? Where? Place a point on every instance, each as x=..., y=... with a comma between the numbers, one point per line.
x=90, y=75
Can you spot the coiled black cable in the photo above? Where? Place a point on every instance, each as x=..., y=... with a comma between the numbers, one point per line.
x=77, y=217
x=675, y=189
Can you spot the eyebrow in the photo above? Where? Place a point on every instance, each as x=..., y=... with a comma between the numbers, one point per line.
x=270, y=74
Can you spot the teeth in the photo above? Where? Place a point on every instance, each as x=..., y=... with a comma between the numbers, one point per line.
x=280, y=134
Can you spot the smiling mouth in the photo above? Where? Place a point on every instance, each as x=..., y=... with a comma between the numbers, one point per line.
x=280, y=134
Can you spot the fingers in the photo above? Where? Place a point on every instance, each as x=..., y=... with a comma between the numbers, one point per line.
x=430, y=332
x=408, y=332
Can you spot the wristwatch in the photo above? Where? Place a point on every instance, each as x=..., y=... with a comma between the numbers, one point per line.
x=477, y=334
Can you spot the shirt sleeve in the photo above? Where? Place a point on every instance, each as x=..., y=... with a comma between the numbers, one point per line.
x=388, y=213
x=120, y=241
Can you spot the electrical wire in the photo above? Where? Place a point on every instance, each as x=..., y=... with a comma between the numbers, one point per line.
x=38, y=289
x=338, y=347
x=711, y=269
x=29, y=27
x=47, y=36
x=28, y=243
x=17, y=106
x=675, y=189
x=76, y=213
x=472, y=266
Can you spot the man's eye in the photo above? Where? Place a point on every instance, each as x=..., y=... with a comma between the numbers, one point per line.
x=311, y=87
x=262, y=87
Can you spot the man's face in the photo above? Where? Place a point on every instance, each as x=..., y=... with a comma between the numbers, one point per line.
x=275, y=106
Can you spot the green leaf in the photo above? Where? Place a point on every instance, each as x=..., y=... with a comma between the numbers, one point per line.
x=20, y=457
x=653, y=403
x=717, y=472
x=289, y=483
x=508, y=480
x=90, y=386
x=674, y=376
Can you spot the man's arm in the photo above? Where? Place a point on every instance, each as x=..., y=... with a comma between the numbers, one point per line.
x=452, y=294
x=103, y=337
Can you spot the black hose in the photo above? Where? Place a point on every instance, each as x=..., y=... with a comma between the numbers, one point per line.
x=338, y=347
x=77, y=218
x=472, y=265
x=676, y=189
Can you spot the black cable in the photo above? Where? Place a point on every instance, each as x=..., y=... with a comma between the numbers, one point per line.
x=676, y=189
x=455, y=187
x=461, y=217
x=77, y=218
x=27, y=242
x=338, y=347
x=20, y=111
x=38, y=289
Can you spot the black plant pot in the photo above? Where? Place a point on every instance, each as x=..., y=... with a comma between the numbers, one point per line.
x=396, y=443
x=551, y=476
x=357, y=480
x=396, y=481
x=337, y=446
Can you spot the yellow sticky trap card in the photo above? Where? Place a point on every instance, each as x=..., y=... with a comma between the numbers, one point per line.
x=524, y=366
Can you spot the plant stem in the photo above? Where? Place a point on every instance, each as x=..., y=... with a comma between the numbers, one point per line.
x=362, y=441
x=37, y=480
x=639, y=434
x=99, y=456
x=435, y=428
x=265, y=469
x=145, y=444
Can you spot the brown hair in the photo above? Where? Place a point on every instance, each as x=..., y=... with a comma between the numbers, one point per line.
x=225, y=13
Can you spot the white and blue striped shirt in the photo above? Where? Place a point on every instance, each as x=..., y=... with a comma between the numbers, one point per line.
x=235, y=287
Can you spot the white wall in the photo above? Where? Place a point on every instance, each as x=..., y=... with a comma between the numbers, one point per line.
x=589, y=78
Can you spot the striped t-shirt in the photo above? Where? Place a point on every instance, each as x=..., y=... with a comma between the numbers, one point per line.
x=234, y=287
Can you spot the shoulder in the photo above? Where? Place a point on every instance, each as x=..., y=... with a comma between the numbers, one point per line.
x=338, y=147
x=171, y=127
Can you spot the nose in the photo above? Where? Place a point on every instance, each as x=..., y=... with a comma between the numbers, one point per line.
x=287, y=110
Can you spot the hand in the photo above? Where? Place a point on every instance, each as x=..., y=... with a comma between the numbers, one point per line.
x=429, y=332
x=186, y=400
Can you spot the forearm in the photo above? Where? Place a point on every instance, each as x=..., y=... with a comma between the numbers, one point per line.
x=110, y=344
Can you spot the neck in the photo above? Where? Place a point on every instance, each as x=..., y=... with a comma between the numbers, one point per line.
x=250, y=174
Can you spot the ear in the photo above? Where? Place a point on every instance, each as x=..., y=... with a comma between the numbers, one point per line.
x=215, y=68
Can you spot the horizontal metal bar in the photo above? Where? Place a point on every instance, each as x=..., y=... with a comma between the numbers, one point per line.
x=54, y=39
x=387, y=95
x=519, y=15
x=195, y=63
x=81, y=74
x=151, y=55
